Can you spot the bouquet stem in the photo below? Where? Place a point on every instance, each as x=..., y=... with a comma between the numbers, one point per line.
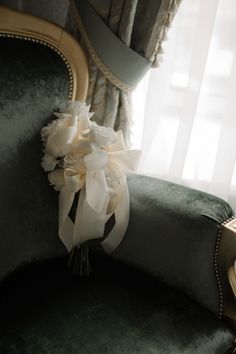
x=79, y=263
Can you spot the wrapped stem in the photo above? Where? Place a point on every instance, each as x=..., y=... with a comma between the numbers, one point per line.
x=79, y=263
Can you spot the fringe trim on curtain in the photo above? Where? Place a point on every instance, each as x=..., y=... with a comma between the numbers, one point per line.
x=111, y=77
x=164, y=19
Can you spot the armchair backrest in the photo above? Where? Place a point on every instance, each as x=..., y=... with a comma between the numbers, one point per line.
x=41, y=68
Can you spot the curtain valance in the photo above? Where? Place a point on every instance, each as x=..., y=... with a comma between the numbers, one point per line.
x=124, y=37
x=119, y=63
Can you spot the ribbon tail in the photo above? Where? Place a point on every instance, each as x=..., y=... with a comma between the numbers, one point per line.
x=97, y=195
x=122, y=212
x=65, y=224
x=89, y=224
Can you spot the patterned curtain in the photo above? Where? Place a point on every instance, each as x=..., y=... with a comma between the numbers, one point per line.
x=140, y=24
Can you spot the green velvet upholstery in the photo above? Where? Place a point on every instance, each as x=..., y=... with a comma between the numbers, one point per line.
x=116, y=311
x=33, y=83
x=172, y=235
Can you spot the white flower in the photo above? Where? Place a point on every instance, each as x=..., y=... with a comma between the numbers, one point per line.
x=56, y=178
x=101, y=135
x=49, y=162
x=64, y=133
x=77, y=108
x=48, y=130
x=77, y=153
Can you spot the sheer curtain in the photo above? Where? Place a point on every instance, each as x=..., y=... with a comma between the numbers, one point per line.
x=185, y=112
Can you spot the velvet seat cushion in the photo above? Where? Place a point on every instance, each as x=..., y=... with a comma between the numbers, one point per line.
x=116, y=310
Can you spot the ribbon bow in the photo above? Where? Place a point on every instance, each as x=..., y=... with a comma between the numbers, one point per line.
x=84, y=157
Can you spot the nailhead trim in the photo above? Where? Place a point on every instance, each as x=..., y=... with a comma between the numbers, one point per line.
x=56, y=50
x=216, y=256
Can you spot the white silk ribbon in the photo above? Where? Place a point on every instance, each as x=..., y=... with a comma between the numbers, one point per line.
x=93, y=161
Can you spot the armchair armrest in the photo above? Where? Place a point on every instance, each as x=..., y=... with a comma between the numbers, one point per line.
x=178, y=234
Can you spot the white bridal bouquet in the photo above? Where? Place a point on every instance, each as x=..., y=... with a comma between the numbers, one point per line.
x=84, y=157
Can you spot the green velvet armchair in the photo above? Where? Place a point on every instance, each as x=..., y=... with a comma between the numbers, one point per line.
x=168, y=288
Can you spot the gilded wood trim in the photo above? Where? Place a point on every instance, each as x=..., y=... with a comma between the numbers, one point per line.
x=23, y=26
